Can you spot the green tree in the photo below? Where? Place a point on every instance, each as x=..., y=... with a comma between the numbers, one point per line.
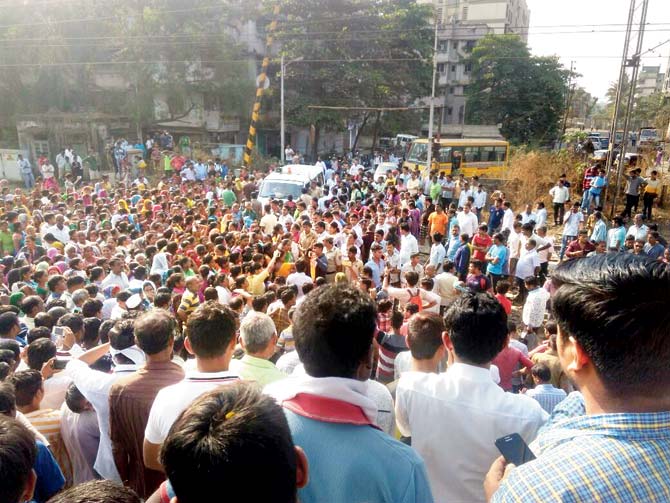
x=382, y=51
x=524, y=93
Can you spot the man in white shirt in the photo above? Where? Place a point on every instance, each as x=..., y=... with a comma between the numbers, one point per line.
x=414, y=184
x=462, y=410
x=572, y=222
x=444, y=284
x=560, y=194
x=116, y=275
x=514, y=245
x=638, y=229
x=466, y=192
x=508, y=217
x=533, y=311
x=527, y=266
x=299, y=277
x=541, y=214
x=480, y=200
x=467, y=221
x=211, y=338
x=408, y=244
x=95, y=385
x=60, y=231
x=268, y=220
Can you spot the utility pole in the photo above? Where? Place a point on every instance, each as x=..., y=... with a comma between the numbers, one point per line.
x=568, y=103
x=633, y=62
x=431, y=114
x=282, y=126
x=617, y=105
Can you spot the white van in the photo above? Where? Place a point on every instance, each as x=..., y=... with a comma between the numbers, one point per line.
x=279, y=186
x=314, y=173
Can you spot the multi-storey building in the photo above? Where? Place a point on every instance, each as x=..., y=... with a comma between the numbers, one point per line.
x=649, y=81
x=461, y=24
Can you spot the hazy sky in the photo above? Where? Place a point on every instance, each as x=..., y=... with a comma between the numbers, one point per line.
x=597, y=49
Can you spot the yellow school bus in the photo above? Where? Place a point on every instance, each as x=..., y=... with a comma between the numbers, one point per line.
x=469, y=157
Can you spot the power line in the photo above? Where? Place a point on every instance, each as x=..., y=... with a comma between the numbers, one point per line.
x=340, y=60
x=205, y=40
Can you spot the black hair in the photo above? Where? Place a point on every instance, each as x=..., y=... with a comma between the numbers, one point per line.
x=424, y=334
x=13, y=346
x=333, y=330
x=38, y=333
x=7, y=321
x=211, y=328
x=541, y=371
x=74, y=399
x=121, y=335
x=90, y=308
x=617, y=307
x=7, y=400
x=91, y=332
x=97, y=491
x=235, y=431
x=39, y=352
x=18, y=452
x=27, y=383
x=30, y=303
x=74, y=321
x=154, y=331
x=477, y=327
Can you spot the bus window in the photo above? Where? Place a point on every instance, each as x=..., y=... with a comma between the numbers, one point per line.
x=418, y=152
x=501, y=154
x=445, y=154
x=488, y=154
x=472, y=154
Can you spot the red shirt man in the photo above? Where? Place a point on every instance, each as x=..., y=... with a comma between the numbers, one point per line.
x=481, y=243
x=580, y=247
x=507, y=361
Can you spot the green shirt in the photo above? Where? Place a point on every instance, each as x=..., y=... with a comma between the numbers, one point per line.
x=435, y=191
x=228, y=197
x=7, y=242
x=251, y=368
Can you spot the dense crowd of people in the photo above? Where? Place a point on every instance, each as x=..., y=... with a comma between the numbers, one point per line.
x=169, y=340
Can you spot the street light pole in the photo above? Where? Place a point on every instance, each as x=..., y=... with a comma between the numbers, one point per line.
x=282, y=121
x=282, y=126
x=431, y=115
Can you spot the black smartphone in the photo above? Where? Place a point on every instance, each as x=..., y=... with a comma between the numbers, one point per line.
x=514, y=449
x=60, y=364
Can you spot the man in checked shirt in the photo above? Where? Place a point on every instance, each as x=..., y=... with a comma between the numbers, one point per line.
x=612, y=313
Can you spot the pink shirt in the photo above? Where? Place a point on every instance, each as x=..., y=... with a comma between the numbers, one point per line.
x=507, y=361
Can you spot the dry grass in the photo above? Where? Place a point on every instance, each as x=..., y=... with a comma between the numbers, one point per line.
x=532, y=174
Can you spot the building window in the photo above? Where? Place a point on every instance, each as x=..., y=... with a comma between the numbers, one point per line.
x=450, y=110
x=451, y=90
x=453, y=68
x=440, y=67
x=468, y=67
x=41, y=147
x=469, y=45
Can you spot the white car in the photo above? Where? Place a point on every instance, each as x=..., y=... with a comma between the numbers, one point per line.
x=600, y=155
x=384, y=169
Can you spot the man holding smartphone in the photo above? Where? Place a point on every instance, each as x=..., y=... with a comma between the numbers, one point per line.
x=454, y=418
x=611, y=312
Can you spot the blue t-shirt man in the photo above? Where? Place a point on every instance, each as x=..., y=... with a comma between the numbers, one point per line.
x=499, y=252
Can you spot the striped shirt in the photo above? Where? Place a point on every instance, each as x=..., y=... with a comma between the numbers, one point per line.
x=604, y=457
x=130, y=400
x=47, y=422
x=547, y=396
x=189, y=301
x=390, y=345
